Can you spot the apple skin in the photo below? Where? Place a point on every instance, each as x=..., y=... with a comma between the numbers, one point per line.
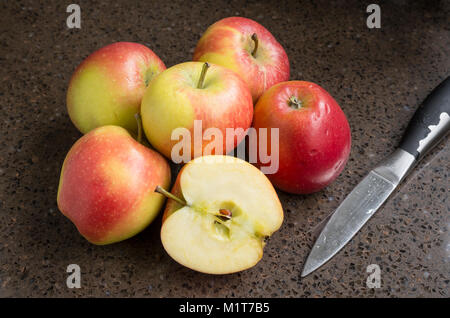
x=173, y=100
x=107, y=87
x=228, y=43
x=314, y=141
x=107, y=185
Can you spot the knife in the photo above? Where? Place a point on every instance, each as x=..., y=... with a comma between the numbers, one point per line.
x=429, y=124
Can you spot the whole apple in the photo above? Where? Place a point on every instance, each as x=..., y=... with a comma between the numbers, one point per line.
x=247, y=48
x=216, y=223
x=314, y=135
x=107, y=185
x=191, y=92
x=107, y=87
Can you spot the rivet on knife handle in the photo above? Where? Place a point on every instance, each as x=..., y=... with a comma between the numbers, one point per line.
x=430, y=122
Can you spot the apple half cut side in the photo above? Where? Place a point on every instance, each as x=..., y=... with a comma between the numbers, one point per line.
x=231, y=208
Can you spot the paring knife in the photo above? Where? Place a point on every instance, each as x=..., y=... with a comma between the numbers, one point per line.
x=429, y=125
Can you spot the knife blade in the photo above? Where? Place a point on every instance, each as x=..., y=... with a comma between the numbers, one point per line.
x=429, y=125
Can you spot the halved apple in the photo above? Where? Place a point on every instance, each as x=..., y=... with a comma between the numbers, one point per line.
x=225, y=210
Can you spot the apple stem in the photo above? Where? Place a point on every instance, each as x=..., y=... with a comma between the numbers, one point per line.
x=139, y=124
x=217, y=217
x=255, y=39
x=294, y=102
x=202, y=75
x=169, y=195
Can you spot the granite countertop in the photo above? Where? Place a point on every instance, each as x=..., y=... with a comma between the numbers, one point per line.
x=378, y=76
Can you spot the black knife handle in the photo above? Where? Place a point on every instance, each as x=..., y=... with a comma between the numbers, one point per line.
x=430, y=123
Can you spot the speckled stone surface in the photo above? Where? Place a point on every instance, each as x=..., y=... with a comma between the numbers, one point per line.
x=378, y=77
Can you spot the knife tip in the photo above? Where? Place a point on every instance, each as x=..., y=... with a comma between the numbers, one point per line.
x=305, y=273
x=307, y=269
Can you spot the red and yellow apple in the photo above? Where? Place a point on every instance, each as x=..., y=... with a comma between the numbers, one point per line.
x=314, y=135
x=247, y=48
x=107, y=87
x=195, y=91
x=217, y=223
x=107, y=185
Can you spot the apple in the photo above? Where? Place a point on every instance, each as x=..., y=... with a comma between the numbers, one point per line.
x=247, y=48
x=314, y=135
x=193, y=92
x=107, y=87
x=107, y=184
x=214, y=222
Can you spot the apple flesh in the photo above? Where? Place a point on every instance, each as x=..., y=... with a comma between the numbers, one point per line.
x=180, y=95
x=198, y=236
x=247, y=48
x=107, y=185
x=107, y=87
x=314, y=135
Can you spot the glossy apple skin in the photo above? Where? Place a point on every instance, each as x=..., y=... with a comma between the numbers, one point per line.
x=228, y=43
x=107, y=185
x=314, y=140
x=107, y=87
x=173, y=100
